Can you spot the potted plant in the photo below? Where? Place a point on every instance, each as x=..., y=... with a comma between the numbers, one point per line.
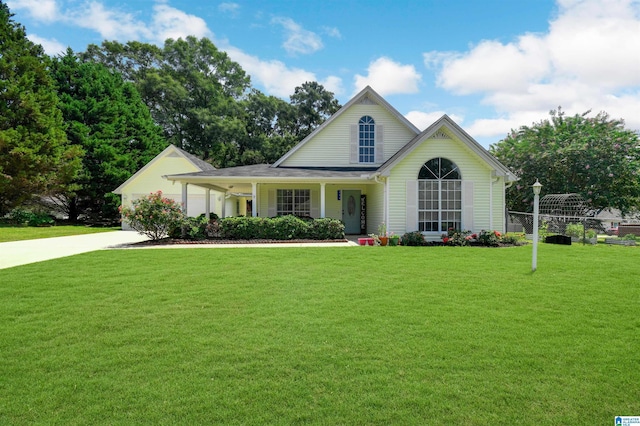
x=394, y=239
x=383, y=237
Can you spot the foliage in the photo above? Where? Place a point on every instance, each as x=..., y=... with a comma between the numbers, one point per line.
x=22, y=217
x=414, y=238
x=514, y=239
x=313, y=105
x=489, y=238
x=454, y=237
x=287, y=227
x=204, y=103
x=107, y=118
x=595, y=157
x=35, y=156
x=153, y=215
x=191, y=88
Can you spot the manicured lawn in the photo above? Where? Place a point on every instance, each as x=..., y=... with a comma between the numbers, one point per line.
x=10, y=233
x=362, y=335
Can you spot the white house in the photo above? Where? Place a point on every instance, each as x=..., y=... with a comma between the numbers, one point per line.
x=172, y=160
x=366, y=165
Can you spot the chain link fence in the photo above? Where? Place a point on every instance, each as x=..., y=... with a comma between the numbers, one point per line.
x=550, y=224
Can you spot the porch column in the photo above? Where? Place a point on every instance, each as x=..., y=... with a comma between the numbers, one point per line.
x=224, y=204
x=184, y=197
x=322, y=199
x=207, y=203
x=254, y=199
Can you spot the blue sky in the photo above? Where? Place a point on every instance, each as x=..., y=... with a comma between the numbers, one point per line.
x=492, y=65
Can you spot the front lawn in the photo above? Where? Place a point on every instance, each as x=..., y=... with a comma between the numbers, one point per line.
x=357, y=335
x=19, y=233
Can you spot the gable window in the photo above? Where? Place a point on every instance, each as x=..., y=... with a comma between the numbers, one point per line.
x=293, y=201
x=439, y=196
x=366, y=140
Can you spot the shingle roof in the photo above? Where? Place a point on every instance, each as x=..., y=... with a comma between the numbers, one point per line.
x=266, y=170
x=201, y=164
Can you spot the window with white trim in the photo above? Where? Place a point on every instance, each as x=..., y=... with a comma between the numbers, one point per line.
x=439, y=196
x=296, y=202
x=366, y=140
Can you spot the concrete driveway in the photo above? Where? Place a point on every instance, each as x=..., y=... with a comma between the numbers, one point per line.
x=22, y=252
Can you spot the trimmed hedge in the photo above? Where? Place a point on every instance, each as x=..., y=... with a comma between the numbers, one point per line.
x=260, y=228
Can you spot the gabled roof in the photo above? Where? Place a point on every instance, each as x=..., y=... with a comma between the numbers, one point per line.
x=170, y=150
x=366, y=92
x=446, y=122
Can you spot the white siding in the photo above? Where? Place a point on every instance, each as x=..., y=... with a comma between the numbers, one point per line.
x=472, y=169
x=331, y=147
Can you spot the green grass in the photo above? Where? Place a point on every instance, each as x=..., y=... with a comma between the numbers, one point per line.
x=13, y=233
x=361, y=335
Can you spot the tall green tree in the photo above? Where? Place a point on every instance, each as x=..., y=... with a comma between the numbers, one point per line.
x=313, y=105
x=192, y=89
x=106, y=116
x=595, y=157
x=35, y=156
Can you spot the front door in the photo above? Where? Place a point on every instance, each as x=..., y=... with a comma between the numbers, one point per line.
x=351, y=211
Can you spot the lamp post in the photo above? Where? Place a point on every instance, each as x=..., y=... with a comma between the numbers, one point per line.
x=536, y=200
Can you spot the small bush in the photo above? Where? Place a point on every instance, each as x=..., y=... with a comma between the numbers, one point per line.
x=513, y=239
x=22, y=217
x=454, y=237
x=154, y=215
x=414, y=238
x=489, y=238
x=326, y=229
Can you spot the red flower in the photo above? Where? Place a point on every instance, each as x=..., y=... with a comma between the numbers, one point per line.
x=445, y=240
x=474, y=236
x=497, y=234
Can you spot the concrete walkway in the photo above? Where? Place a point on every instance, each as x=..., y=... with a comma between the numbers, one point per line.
x=17, y=253
x=30, y=251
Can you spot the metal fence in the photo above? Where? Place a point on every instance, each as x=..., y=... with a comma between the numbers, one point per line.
x=552, y=224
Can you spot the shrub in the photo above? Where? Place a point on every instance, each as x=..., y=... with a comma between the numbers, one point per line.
x=513, y=239
x=454, y=237
x=414, y=238
x=489, y=238
x=153, y=215
x=574, y=230
x=194, y=228
x=326, y=229
x=22, y=217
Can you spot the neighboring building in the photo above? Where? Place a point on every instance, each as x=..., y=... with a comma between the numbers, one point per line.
x=172, y=160
x=366, y=165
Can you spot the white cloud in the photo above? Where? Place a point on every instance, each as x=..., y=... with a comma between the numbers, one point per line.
x=278, y=79
x=332, y=32
x=388, y=77
x=52, y=47
x=41, y=10
x=169, y=22
x=231, y=8
x=298, y=40
x=111, y=24
x=422, y=120
x=588, y=59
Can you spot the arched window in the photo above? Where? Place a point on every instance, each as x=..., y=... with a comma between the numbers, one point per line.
x=439, y=196
x=366, y=140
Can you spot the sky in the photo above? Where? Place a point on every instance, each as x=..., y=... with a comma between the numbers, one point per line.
x=491, y=65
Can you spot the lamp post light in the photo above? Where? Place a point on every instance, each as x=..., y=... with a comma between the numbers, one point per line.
x=536, y=200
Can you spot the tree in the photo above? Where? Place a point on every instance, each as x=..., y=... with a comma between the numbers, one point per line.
x=192, y=90
x=595, y=157
x=106, y=116
x=270, y=126
x=35, y=156
x=313, y=105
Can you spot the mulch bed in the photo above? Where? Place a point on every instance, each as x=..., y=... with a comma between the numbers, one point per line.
x=175, y=241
